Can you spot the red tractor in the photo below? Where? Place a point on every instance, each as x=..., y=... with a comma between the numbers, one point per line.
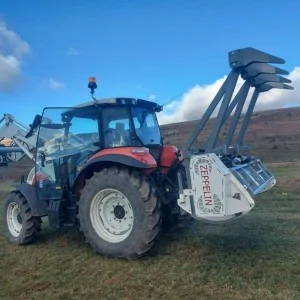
x=104, y=167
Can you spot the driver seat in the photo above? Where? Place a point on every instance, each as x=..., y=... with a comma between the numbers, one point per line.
x=122, y=135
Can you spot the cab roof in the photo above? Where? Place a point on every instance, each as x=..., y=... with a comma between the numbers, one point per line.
x=118, y=101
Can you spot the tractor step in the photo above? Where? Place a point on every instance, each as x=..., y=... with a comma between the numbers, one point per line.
x=254, y=176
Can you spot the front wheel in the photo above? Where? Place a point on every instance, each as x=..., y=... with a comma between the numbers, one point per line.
x=119, y=213
x=20, y=226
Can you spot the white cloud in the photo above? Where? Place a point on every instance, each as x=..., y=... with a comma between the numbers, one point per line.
x=195, y=102
x=55, y=84
x=73, y=52
x=12, y=50
x=152, y=98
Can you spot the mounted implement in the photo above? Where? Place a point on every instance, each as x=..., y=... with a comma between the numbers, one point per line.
x=220, y=180
x=106, y=169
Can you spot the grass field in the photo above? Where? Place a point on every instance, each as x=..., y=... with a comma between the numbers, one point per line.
x=255, y=257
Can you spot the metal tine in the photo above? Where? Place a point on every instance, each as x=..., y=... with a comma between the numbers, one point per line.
x=273, y=85
x=263, y=78
x=259, y=76
x=262, y=68
x=252, y=65
x=246, y=56
x=258, y=71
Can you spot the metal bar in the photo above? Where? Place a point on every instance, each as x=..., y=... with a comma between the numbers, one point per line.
x=11, y=118
x=10, y=149
x=233, y=77
x=30, y=155
x=207, y=114
x=240, y=99
x=233, y=103
x=247, y=118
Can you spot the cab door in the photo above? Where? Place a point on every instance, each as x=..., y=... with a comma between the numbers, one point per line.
x=66, y=138
x=49, y=170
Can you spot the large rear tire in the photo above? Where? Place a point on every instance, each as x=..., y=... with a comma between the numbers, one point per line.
x=20, y=226
x=119, y=213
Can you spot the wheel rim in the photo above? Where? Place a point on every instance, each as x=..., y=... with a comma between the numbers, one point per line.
x=14, y=220
x=111, y=215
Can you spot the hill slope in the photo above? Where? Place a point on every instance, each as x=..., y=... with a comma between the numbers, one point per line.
x=272, y=134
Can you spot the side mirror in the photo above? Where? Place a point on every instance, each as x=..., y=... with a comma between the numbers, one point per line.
x=36, y=122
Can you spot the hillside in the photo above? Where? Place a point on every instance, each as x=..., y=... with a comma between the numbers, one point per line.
x=274, y=135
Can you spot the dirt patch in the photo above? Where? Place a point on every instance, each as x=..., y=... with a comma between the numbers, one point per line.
x=14, y=171
x=292, y=183
x=284, y=164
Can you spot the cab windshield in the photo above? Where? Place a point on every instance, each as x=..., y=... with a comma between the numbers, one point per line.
x=146, y=126
x=76, y=134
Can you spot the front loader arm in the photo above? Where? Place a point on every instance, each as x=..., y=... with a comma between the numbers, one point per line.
x=21, y=143
x=16, y=131
x=219, y=182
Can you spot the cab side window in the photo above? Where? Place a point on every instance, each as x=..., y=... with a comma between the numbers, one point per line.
x=86, y=129
x=116, y=127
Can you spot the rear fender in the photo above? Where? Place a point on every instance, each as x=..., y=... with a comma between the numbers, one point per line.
x=127, y=156
x=38, y=207
x=145, y=162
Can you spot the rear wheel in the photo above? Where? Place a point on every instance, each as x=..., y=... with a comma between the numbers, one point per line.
x=119, y=213
x=19, y=225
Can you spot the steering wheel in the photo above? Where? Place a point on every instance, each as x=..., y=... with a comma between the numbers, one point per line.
x=109, y=130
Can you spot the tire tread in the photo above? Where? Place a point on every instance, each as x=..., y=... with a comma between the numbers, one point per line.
x=151, y=204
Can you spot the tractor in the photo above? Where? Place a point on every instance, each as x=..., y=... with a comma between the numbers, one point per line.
x=102, y=166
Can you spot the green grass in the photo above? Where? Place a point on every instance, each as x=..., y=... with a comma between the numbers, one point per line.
x=284, y=172
x=255, y=257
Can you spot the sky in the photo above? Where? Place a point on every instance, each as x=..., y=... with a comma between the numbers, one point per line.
x=143, y=49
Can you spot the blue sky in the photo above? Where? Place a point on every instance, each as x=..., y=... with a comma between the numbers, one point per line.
x=137, y=48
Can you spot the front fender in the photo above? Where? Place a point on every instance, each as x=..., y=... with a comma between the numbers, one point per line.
x=38, y=207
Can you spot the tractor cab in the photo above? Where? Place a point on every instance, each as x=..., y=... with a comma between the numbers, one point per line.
x=75, y=134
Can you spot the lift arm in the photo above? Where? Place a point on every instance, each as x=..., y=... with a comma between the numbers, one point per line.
x=25, y=137
x=253, y=67
x=16, y=131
